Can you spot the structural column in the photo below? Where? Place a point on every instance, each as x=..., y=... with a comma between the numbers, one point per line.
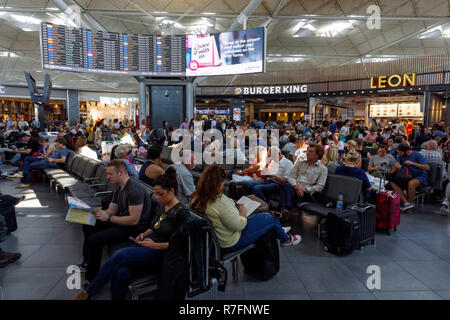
x=190, y=99
x=143, y=105
x=72, y=107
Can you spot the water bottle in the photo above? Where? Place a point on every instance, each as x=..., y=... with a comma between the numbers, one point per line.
x=340, y=203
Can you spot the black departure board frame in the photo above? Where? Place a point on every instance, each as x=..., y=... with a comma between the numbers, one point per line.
x=96, y=51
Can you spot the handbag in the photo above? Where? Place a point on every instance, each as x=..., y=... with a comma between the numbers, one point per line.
x=402, y=176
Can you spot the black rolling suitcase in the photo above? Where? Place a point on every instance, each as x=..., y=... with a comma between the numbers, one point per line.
x=8, y=211
x=367, y=222
x=343, y=230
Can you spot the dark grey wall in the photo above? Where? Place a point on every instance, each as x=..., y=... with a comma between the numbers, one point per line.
x=167, y=103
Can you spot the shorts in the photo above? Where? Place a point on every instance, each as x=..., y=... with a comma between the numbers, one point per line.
x=423, y=180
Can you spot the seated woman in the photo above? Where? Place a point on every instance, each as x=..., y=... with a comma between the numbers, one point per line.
x=83, y=149
x=233, y=228
x=138, y=141
x=330, y=159
x=351, y=169
x=153, y=168
x=148, y=253
x=46, y=148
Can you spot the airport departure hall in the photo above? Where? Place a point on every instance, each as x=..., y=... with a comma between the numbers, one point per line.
x=235, y=154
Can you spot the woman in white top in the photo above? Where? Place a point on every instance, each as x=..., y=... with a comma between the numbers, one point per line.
x=83, y=149
x=126, y=138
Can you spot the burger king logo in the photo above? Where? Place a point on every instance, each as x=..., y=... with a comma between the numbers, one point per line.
x=238, y=91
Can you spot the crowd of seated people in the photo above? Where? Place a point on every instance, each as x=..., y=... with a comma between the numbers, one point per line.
x=302, y=166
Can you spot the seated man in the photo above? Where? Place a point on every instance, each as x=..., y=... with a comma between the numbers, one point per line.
x=307, y=176
x=274, y=181
x=431, y=155
x=41, y=163
x=382, y=162
x=123, y=152
x=32, y=146
x=418, y=168
x=128, y=215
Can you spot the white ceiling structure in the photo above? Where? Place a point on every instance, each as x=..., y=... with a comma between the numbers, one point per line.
x=302, y=34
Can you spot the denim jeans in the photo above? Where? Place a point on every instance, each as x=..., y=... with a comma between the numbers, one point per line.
x=120, y=267
x=249, y=185
x=288, y=196
x=257, y=225
x=33, y=163
x=261, y=190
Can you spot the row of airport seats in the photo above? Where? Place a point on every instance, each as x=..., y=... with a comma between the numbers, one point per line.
x=85, y=179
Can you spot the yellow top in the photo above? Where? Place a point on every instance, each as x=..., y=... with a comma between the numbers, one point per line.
x=226, y=221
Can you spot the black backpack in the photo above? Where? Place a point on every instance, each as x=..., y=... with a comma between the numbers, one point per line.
x=342, y=232
x=264, y=260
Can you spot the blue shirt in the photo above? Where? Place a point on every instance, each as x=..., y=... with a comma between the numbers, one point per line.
x=260, y=124
x=356, y=173
x=333, y=127
x=417, y=158
x=131, y=169
x=58, y=154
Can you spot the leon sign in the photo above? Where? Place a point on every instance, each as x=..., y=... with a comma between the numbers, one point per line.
x=394, y=81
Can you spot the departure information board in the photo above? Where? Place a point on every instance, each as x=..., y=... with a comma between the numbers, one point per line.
x=85, y=50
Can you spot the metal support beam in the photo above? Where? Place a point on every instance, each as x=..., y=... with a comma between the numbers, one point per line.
x=5, y=67
x=63, y=7
x=248, y=10
x=393, y=43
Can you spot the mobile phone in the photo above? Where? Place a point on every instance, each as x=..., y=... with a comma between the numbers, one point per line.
x=132, y=239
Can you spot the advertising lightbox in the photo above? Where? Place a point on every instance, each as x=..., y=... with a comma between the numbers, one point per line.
x=227, y=53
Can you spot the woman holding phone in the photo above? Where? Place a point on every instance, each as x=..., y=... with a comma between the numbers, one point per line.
x=148, y=253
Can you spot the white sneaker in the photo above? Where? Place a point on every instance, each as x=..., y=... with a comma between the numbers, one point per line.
x=16, y=175
x=407, y=206
x=287, y=229
x=293, y=240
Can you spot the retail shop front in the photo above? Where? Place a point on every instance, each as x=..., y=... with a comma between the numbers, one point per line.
x=389, y=99
x=267, y=103
x=15, y=103
x=408, y=98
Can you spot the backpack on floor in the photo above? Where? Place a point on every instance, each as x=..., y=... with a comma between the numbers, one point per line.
x=343, y=232
x=263, y=261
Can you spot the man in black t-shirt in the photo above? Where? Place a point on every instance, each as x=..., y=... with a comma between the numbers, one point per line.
x=32, y=146
x=128, y=215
